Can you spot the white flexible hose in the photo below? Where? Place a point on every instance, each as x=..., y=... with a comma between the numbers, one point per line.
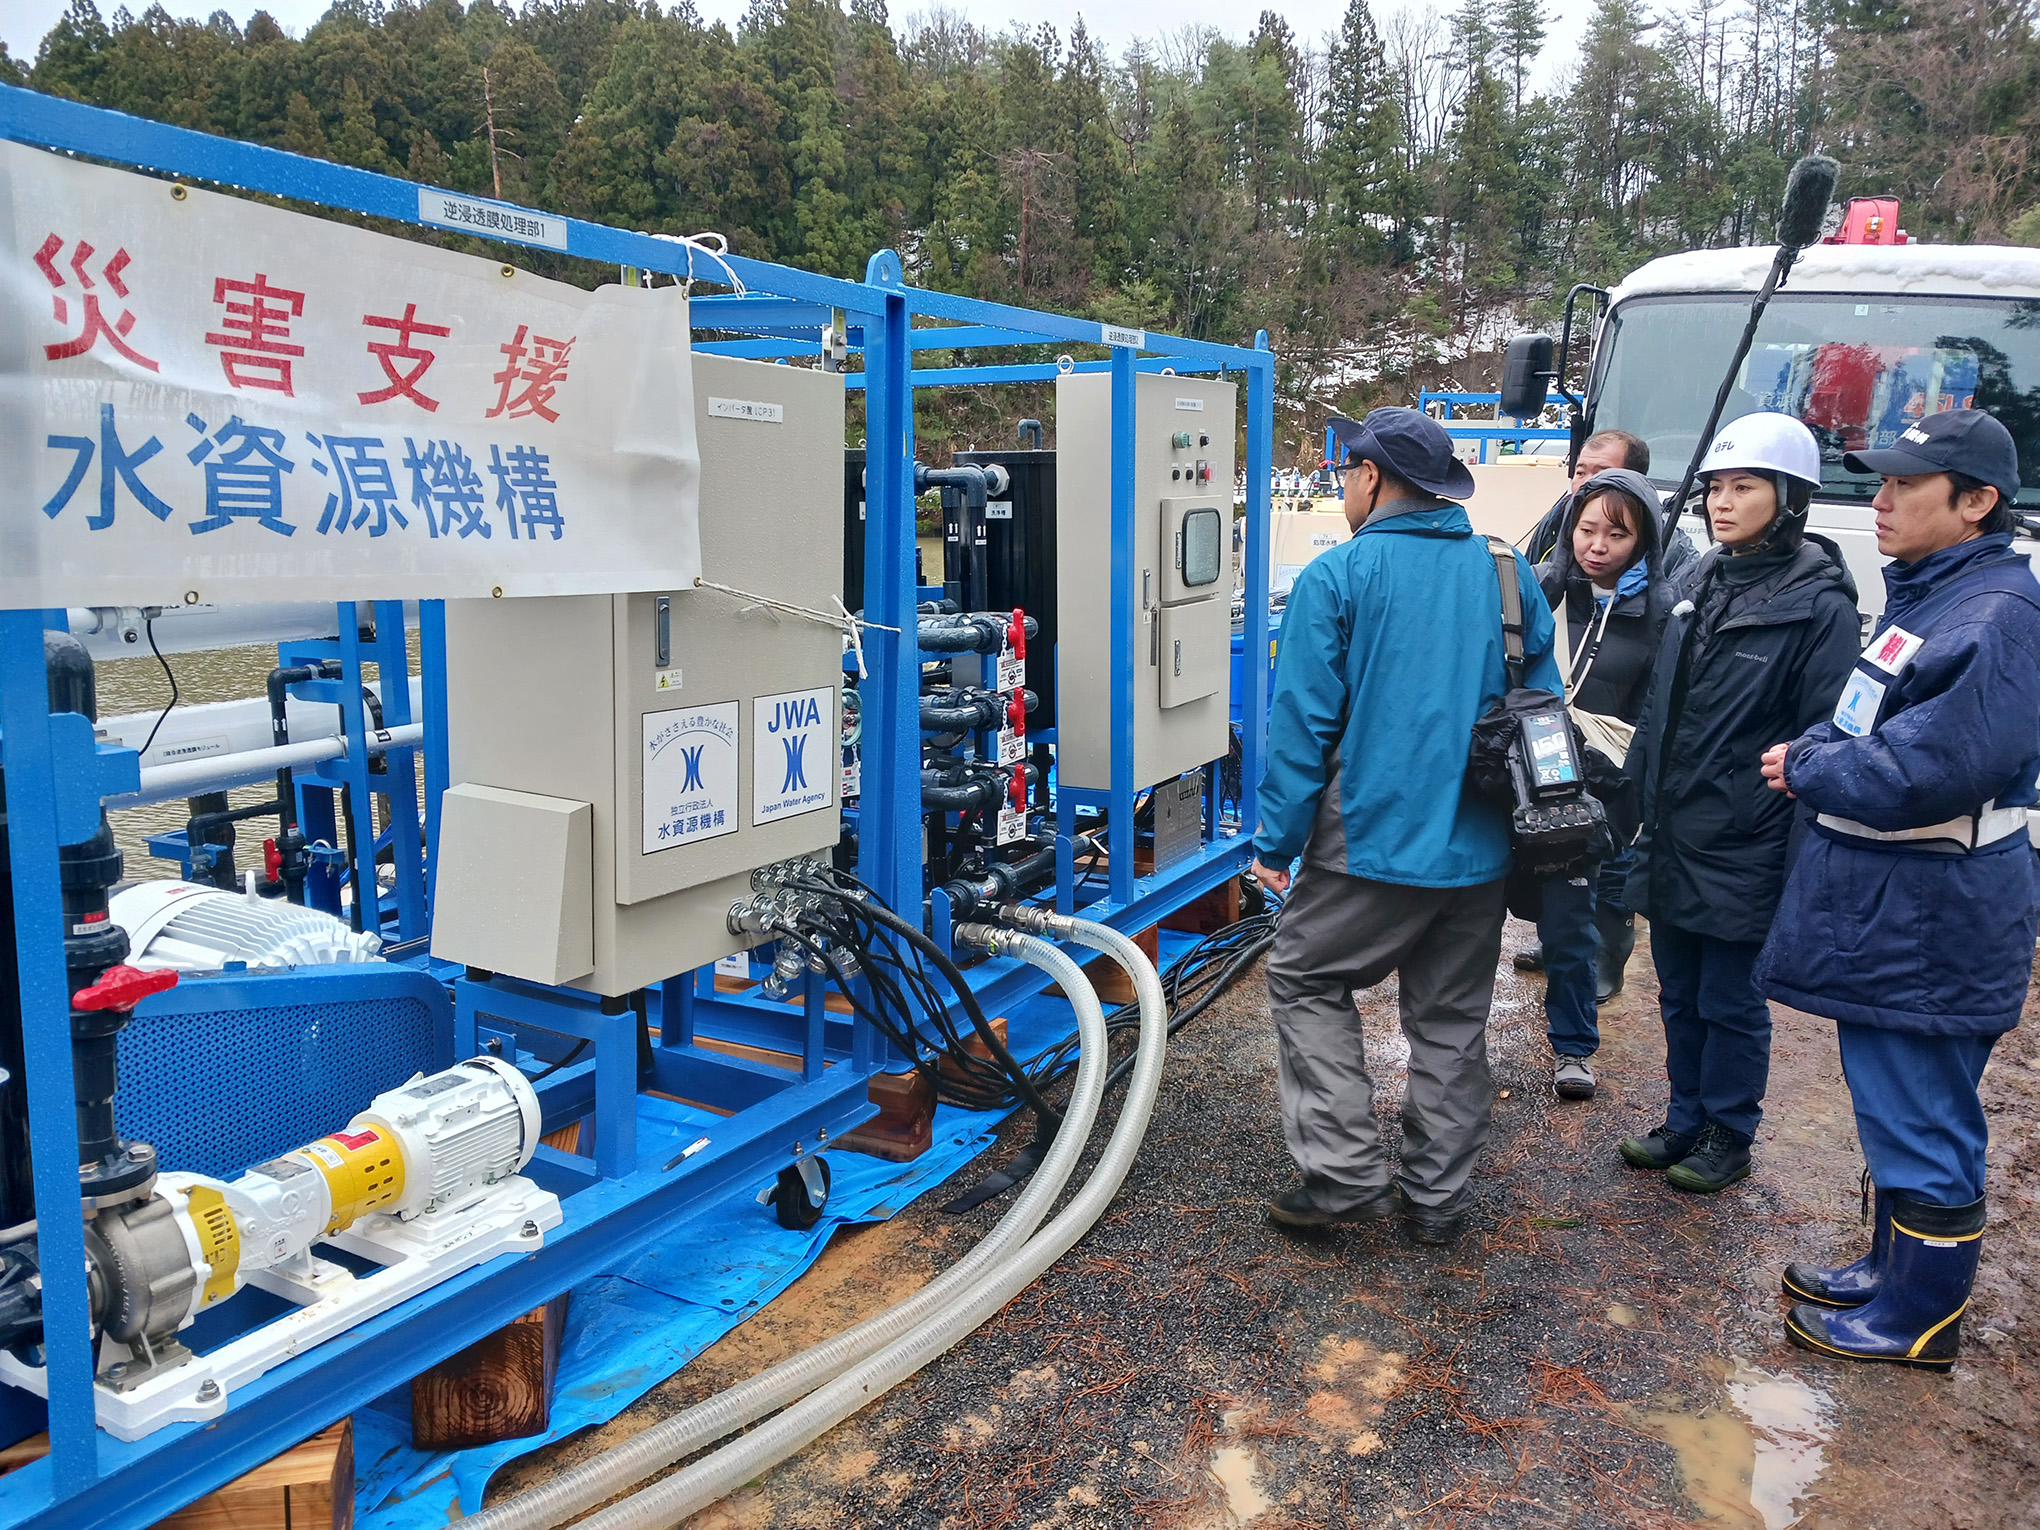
x=580, y=1488
x=696, y=1486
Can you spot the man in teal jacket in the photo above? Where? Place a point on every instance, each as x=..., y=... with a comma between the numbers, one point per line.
x=1392, y=648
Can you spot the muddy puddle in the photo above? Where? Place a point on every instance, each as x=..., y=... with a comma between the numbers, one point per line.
x=1748, y=1459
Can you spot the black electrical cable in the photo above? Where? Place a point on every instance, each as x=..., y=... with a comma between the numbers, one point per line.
x=870, y=906
x=149, y=626
x=547, y=1072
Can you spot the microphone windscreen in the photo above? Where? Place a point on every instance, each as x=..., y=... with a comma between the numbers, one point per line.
x=1807, y=192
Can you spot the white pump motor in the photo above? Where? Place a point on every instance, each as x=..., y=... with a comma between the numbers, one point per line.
x=195, y=928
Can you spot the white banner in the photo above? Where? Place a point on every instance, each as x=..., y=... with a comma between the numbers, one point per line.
x=204, y=399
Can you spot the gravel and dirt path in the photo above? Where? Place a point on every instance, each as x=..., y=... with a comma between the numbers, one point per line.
x=1599, y=1351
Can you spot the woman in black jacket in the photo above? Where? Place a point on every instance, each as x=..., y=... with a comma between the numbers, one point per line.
x=1604, y=574
x=1753, y=656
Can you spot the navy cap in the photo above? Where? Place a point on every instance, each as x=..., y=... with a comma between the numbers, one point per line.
x=1964, y=441
x=1409, y=444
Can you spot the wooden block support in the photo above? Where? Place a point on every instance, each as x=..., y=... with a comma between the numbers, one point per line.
x=498, y=1388
x=904, y=1127
x=309, y=1487
x=1214, y=911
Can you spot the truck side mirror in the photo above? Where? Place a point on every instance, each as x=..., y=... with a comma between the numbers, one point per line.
x=1527, y=371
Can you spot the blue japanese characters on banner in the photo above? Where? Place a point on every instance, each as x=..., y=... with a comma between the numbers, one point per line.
x=216, y=400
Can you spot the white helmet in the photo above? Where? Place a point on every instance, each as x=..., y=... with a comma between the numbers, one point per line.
x=1779, y=447
x=1765, y=443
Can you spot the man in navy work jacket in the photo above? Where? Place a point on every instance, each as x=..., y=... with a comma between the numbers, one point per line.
x=1910, y=915
x=1392, y=648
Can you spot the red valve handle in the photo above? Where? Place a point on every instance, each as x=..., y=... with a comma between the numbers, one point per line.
x=122, y=988
x=1016, y=633
x=1016, y=788
x=272, y=861
x=1016, y=712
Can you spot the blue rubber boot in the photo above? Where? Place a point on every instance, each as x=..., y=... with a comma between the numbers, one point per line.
x=1915, y=1319
x=1853, y=1285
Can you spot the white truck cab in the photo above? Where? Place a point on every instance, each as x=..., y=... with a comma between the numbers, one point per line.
x=1860, y=342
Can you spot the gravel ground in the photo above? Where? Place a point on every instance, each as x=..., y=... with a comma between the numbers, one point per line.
x=1598, y=1351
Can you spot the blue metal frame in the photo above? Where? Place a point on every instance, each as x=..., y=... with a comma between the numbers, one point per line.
x=614, y=1204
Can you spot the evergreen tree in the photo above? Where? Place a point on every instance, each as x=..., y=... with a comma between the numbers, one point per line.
x=1520, y=31
x=1362, y=130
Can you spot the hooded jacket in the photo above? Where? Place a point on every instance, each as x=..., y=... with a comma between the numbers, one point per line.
x=1901, y=936
x=1753, y=656
x=1391, y=651
x=1554, y=528
x=1618, y=679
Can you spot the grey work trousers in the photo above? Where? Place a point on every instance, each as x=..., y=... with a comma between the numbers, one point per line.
x=1342, y=933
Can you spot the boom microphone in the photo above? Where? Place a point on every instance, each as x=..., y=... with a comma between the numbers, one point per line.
x=1808, y=189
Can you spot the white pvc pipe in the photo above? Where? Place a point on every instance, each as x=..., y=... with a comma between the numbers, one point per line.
x=581, y=1487
x=694, y=1487
x=189, y=778
x=122, y=632
x=208, y=729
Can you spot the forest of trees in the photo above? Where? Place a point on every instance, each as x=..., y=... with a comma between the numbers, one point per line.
x=1388, y=201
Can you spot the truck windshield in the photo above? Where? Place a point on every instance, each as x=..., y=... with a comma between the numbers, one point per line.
x=1856, y=368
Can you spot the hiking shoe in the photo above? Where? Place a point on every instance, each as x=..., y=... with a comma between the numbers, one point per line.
x=1573, y=1079
x=1660, y=1150
x=1436, y=1226
x=1531, y=958
x=1298, y=1207
x=1719, y=1158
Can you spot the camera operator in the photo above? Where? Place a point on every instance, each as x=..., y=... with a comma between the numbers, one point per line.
x=1392, y=648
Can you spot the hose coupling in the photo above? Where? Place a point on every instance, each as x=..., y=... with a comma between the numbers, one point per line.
x=980, y=937
x=1037, y=920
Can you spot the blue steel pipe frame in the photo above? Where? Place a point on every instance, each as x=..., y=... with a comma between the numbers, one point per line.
x=56, y=774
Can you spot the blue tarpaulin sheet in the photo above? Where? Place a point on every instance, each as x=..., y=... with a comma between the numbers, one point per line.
x=629, y=1331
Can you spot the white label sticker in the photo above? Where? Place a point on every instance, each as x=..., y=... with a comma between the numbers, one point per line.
x=325, y=1155
x=494, y=220
x=690, y=789
x=747, y=409
x=1012, y=672
x=1115, y=335
x=737, y=965
x=797, y=742
x=999, y=510
x=1194, y=405
x=189, y=749
x=1892, y=649
x=1856, y=712
x=666, y=680
x=1012, y=747
x=853, y=777
x=1012, y=825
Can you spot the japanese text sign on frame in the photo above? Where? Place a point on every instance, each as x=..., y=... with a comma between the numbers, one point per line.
x=207, y=399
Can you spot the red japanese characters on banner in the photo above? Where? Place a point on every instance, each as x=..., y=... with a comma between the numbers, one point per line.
x=95, y=328
x=323, y=412
x=416, y=358
x=535, y=372
x=254, y=337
